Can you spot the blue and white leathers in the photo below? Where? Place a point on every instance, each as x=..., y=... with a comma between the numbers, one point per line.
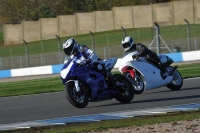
x=86, y=53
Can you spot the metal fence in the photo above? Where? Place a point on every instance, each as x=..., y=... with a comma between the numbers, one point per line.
x=106, y=45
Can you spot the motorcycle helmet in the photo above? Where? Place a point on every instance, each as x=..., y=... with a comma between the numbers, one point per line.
x=69, y=46
x=127, y=43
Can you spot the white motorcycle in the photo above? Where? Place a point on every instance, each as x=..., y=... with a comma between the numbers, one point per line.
x=145, y=75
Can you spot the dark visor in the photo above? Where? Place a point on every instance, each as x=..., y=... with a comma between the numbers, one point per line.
x=68, y=50
x=126, y=45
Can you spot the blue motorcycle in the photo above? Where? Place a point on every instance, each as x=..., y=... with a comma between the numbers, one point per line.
x=83, y=84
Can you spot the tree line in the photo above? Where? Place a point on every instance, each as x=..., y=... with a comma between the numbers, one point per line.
x=15, y=11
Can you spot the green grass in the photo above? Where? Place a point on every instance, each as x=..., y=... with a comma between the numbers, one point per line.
x=35, y=86
x=104, y=125
x=102, y=39
x=54, y=84
x=188, y=71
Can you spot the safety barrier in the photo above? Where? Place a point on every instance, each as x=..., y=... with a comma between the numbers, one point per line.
x=55, y=69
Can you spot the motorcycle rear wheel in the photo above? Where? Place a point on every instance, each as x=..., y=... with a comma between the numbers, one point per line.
x=78, y=99
x=125, y=93
x=177, y=80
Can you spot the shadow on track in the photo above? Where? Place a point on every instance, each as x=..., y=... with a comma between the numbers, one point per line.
x=183, y=89
x=151, y=100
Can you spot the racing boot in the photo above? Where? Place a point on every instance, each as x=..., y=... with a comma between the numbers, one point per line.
x=162, y=69
x=160, y=64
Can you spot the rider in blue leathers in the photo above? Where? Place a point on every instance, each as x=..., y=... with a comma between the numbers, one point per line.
x=82, y=55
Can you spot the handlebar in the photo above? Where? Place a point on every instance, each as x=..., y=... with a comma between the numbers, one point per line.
x=135, y=56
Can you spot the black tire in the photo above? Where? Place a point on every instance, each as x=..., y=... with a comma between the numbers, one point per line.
x=77, y=99
x=124, y=93
x=177, y=80
x=137, y=87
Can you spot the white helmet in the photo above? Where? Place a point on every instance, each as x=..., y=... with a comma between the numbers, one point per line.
x=127, y=43
x=69, y=46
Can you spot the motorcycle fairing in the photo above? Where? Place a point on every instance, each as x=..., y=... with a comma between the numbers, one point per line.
x=110, y=63
x=88, y=76
x=149, y=72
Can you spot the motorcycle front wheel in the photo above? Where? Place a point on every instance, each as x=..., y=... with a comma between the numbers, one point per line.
x=78, y=99
x=124, y=89
x=138, y=84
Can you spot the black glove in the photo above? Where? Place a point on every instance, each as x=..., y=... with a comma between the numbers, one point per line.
x=136, y=56
x=88, y=61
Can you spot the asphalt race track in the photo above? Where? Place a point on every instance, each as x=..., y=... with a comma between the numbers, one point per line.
x=55, y=105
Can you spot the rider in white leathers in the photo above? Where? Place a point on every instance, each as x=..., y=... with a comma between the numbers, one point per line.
x=130, y=46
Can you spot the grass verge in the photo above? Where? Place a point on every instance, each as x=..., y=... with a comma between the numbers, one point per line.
x=104, y=125
x=35, y=86
x=54, y=84
x=190, y=70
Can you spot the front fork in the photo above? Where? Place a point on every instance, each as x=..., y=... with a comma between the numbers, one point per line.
x=133, y=75
x=76, y=83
